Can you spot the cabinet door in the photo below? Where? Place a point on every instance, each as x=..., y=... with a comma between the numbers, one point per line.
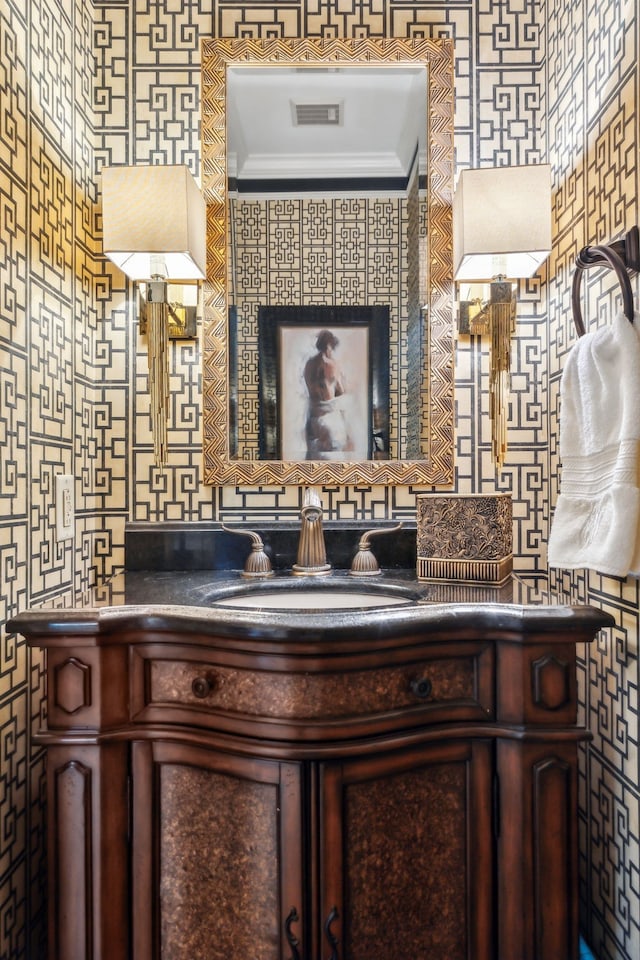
x=217, y=855
x=406, y=855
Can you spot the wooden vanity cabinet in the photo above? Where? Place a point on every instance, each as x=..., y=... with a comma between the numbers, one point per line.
x=363, y=798
x=368, y=858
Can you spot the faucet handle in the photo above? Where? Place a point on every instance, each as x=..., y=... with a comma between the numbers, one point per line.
x=364, y=563
x=257, y=563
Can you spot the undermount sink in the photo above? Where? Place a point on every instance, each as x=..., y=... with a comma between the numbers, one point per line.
x=310, y=600
x=292, y=593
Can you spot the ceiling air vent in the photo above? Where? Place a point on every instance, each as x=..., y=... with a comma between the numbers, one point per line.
x=317, y=114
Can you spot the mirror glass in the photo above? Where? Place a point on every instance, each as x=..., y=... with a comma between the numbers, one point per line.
x=328, y=344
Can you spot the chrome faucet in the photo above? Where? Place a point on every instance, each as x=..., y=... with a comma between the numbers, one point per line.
x=312, y=554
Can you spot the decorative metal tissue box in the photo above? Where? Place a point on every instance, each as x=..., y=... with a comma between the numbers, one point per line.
x=464, y=539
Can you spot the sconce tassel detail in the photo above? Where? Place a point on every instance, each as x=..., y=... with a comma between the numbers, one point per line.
x=480, y=324
x=503, y=317
x=496, y=318
x=158, y=349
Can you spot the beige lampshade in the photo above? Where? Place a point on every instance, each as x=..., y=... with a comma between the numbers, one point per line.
x=501, y=222
x=154, y=222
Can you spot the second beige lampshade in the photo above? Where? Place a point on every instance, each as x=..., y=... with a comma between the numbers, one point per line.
x=501, y=222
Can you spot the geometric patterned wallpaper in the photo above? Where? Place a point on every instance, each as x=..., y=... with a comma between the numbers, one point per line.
x=48, y=322
x=591, y=124
x=83, y=84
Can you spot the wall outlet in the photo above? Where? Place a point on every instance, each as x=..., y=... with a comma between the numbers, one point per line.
x=65, y=507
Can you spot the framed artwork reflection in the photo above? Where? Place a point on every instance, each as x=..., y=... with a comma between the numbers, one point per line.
x=324, y=383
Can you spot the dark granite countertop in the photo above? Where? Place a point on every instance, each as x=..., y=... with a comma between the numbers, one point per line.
x=166, y=601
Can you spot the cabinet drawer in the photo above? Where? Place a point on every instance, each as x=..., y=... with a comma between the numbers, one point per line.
x=428, y=690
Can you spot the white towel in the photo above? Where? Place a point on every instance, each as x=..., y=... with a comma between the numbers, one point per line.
x=597, y=517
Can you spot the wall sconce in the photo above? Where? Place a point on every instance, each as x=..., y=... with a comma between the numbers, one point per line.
x=501, y=233
x=154, y=230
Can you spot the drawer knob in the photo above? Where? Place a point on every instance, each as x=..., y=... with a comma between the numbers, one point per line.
x=421, y=687
x=202, y=687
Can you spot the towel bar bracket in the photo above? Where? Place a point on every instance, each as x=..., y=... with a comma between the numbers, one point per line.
x=622, y=256
x=627, y=248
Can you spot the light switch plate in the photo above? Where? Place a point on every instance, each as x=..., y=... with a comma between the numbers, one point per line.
x=65, y=507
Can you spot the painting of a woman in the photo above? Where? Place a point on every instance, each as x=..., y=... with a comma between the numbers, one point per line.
x=327, y=428
x=324, y=393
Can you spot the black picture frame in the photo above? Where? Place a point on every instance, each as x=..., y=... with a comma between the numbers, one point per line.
x=286, y=335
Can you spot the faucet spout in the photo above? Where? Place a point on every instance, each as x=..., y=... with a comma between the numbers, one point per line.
x=312, y=554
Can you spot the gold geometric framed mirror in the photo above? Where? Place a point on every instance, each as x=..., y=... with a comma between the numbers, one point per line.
x=419, y=446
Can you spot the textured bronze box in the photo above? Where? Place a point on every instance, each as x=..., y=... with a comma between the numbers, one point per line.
x=464, y=539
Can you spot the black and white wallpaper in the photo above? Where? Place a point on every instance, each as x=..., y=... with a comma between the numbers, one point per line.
x=89, y=82
x=591, y=124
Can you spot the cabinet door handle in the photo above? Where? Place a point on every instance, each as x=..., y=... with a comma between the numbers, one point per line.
x=291, y=940
x=202, y=687
x=421, y=687
x=333, y=940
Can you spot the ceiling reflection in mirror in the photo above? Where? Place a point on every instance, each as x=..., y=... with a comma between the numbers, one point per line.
x=325, y=184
